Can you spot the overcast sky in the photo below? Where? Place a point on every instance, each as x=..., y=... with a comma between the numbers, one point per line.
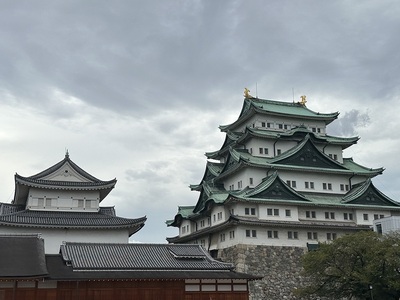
x=136, y=90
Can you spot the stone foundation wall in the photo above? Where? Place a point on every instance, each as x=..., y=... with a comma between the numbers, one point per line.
x=280, y=267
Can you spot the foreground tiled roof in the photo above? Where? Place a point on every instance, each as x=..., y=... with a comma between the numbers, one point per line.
x=93, y=256
x=14, y=261
x=61, y=219
x=79, y=261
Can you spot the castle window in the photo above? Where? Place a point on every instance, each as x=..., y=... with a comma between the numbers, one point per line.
x=288, y=212
x=262, y=124
x=239, y=184
x=202, y=223
x=274, y=212
x=272, y=234
x=330, y=236
x=329, y=215
x=347, y=216
x=310, y=214
x=250, y=181
x=251, y=233
x=365, y=216
x=278, y=151
x=261, y=150
x=232, y=234
x=269, y=125
x=280, y=126
x=222, y=237
x=250, y=211
x=293, y=235
x=219, y=215
x=309, y=185
x=312, y=235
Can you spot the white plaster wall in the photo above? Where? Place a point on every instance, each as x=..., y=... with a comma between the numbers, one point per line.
x=62, y=200
x=53, y=238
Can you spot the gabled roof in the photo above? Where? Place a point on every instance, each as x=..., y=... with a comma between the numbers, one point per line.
x=22, y=257
x=366, y=193
x=251, y=106
x=304, y=156
x=297, y=133
x=103, y=219
x=64, y=175
x=271, y=188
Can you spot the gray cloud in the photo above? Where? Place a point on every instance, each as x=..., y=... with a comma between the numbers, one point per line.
x=136, y=90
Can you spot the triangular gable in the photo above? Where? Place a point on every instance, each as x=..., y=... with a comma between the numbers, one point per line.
x=308, y=155
x=367, y=194
x=273, y=188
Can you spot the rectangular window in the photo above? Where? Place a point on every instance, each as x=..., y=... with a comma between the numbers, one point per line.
x=329, y=215
x=269, y=211
x=280, y=126
x=269, y=125
x=310, y=214
x=335, y=156
x=292, y=183
x=288, y=212
x=250, y=181
x=330, y=186
x=232, y=234
x=342, y=187
x=324, y=186
x=239, y=184
x=222, y=237
x=365, y=216
x=272, y=234
x=219, y=216
x=276, y=212
x=330, y=236
x=293, y=235
x=251, y=233
x=347, y=187
x=261, y=150
x=262, y=124
x=376, y=216
x=266, y=151
x=311, y=185
x=306, y=185
x=278, y=151
x=312, y=235
x=250, y=211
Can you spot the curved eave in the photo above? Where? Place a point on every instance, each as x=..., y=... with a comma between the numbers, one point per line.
x=344, y=142
x=134, y=226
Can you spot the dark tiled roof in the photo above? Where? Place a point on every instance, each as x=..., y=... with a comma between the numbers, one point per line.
x=70, y=219
x=58, y=270
x=139, y=257
x=14, y=261
x=41, y=180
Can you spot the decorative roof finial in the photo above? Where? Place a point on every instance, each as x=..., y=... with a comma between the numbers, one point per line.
x=247, y=93
x=66, y=153
x=303, y=100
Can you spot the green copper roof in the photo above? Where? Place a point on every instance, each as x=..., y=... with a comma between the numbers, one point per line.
x=271, y=107
x=305, y=156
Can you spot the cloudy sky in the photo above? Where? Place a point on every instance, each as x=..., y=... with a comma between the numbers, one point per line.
x=136, y=90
